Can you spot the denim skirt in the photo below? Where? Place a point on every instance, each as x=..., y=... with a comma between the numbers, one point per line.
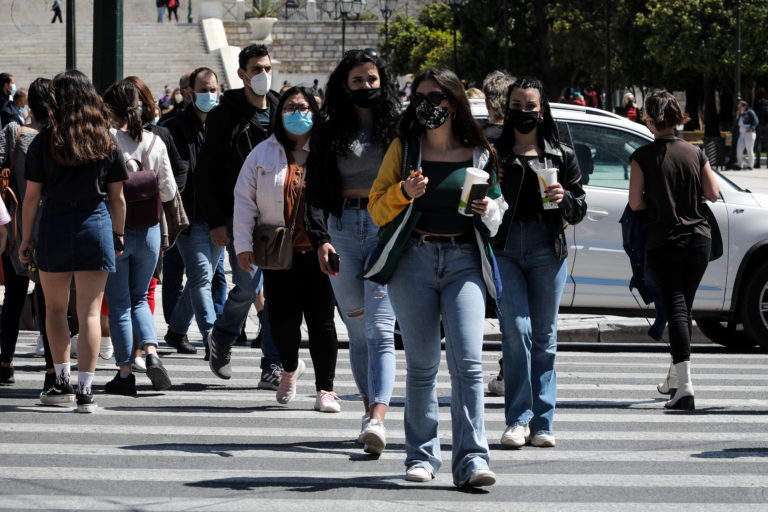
x=75, y=237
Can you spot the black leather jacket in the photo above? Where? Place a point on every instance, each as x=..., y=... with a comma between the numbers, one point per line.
x=571, y=210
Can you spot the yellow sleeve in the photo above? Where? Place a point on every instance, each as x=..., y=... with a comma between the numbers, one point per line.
x=386, y=199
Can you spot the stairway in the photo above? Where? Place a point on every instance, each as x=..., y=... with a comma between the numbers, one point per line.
x=157, y=53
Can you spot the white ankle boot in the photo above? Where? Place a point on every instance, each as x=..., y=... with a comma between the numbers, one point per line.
x=683, y=398
x=669, y=386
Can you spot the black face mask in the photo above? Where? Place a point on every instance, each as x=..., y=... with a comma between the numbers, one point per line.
x=365, y=98
x=524, y=121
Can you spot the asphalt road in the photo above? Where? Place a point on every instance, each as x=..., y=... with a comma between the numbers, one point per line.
x=208, y=444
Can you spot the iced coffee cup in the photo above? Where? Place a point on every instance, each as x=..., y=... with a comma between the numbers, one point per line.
x=472, y=177
x=547, y=177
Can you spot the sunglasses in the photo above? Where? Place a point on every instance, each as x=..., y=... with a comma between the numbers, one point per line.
x=434, y=97
x=371, y=52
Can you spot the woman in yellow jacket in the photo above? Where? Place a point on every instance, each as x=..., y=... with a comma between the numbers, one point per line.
x=442, y=271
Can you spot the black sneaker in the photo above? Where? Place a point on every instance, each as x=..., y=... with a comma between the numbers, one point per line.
x=270, y=379
x=157, y=373
x=57, y=394
x=120, y=386
x=207, y=356
x=180, y=342
x=242, y=338
x=49, y=382
x=256, y=343
x=220, y=359
x=85, y=403
x=6, y=376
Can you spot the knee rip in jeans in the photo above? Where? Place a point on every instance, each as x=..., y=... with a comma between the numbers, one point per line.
x=380, y=294
x=356, y=313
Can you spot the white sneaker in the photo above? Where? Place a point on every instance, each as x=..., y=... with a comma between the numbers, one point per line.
x=363, y=426
x=515, y=436
x=375, y=437
x=287, y=388
x=73, y=346
x=327, y=401
x=496, y=386
x=105, y=350
x=39, y=348
x=481, y=478
x=543, y=440
x=418, y=474
x=139, y=365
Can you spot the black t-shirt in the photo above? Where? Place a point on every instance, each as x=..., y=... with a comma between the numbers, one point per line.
x=672, y=175
x=69, y=184
x=529, y=200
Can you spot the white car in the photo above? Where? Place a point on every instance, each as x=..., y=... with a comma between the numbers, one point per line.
x=734, y=289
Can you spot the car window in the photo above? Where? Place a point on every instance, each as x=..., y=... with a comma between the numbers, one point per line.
x=603, y=153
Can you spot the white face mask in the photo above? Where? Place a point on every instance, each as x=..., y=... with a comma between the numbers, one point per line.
x=178, y=97
x=261, y=83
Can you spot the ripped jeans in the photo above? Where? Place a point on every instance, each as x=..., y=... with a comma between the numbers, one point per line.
x=365, y=306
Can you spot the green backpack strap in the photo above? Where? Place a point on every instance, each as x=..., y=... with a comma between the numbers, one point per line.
x=411, y=153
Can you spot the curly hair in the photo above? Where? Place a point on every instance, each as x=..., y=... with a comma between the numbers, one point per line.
x=463, y=127
x=122, y=99
x=341, y=113
x=79, y=123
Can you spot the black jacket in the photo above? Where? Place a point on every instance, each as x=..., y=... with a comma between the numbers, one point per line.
x=188, y=135
x=571, y=210
x=232, y=131
x=323, y=187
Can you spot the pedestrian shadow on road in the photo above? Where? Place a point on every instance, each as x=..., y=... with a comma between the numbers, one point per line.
x=732, y=453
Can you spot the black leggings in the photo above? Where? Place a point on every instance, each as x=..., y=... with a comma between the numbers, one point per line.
x=13, y=304
x=303, y=289
x=677, y=269
x=172, y=12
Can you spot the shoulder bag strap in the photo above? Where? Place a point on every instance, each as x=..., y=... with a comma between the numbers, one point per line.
x=146, y=154
x=298, y=201
x=15, y=149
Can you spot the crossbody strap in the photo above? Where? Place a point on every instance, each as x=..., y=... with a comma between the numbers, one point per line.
x=146, y=154
x=298, y=201
x=15, y=149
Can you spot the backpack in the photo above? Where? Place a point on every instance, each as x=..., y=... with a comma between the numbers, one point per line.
x=11, y=199
x=172, y=3
x=142, y=195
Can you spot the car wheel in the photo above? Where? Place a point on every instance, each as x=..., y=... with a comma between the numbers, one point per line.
x=719, y=332
x=754, y=306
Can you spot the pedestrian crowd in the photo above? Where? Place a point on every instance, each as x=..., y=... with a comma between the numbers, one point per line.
x=412, y=214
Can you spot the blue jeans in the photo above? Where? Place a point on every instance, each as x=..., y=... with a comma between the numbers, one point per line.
x=435, y=280
x=198, y=252
x=533, y=280
x=126, y=292
x=247, y=286
x=184, y=298
x=371, y=329
x=160, y=14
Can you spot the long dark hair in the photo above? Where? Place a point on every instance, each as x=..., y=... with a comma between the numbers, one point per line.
x=79, y=124
x=122, y=98
x=340, y=111
x=39, y=99
x=463, y=127
x=279, y=128
x=547, y=128
x=150, y=109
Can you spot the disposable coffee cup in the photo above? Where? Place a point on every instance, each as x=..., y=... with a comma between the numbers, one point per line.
x=547, y=177
x=473, y=176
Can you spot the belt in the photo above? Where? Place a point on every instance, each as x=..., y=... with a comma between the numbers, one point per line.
x=355, y=203
x=440, y=239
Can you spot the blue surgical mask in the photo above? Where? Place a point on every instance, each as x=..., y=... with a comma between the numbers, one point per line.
x=156, y=119
x=141, y=108
x=13, y=89
x=297, y=123
x=205, y=101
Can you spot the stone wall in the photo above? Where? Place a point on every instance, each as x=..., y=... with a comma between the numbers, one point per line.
x=308, y=50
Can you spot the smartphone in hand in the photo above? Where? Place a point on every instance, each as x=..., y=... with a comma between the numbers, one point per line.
x=333, y=261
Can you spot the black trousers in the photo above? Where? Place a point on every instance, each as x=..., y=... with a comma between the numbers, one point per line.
x=13, y=303
x=677, y=269
x=761, y=142
x=303, y=289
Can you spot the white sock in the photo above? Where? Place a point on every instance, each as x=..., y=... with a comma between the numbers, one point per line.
x=62, y=372
x=125, y=375
x=84, y=379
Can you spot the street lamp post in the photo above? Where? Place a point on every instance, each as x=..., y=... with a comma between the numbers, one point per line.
x=387, y=7
x=189, y=12
x=355, y=7
x=71, y=36
x=454, y=5
x=608, y=85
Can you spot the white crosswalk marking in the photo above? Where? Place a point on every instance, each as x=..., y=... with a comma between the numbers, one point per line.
x=210, y=444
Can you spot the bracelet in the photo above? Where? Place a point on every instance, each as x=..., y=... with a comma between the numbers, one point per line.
x=118, y=234
x=402, y=189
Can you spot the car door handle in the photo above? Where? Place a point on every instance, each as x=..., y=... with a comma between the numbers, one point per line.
x=596, y=213
x=738, y=210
